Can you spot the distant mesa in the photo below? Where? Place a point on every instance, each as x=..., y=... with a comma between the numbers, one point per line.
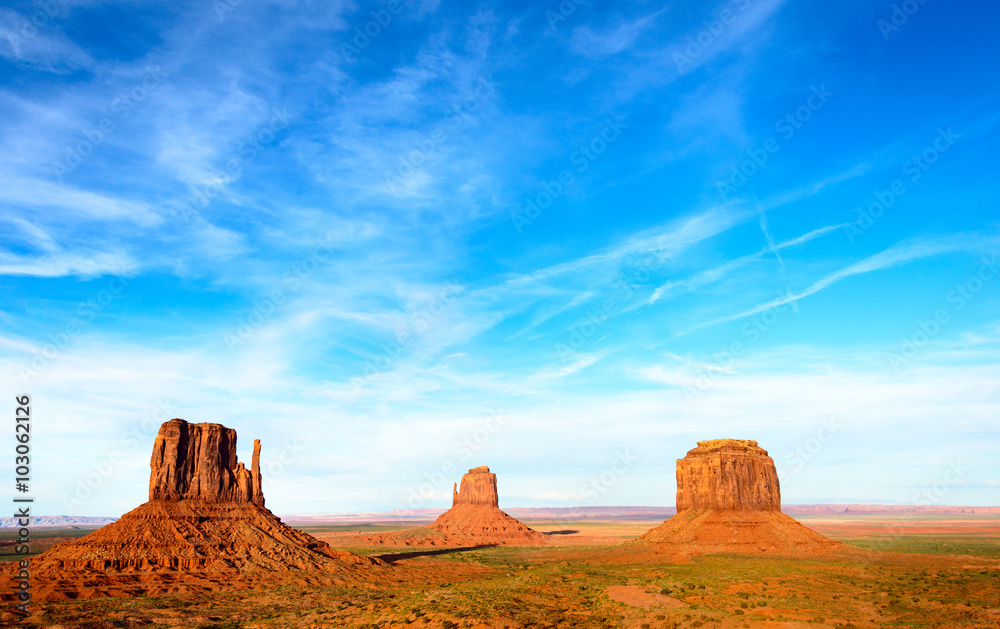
x=475, y=519
x=204, y=526
x=729, y=500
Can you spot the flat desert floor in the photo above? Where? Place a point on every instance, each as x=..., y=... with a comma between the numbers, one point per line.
x=899, y=571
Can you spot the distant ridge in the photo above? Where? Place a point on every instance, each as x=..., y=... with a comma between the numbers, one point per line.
x=56, y=521
x=554, y=513
x=872, y=509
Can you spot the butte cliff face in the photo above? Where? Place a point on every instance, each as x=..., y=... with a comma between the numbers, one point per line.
x=728, y=474
x=205, y=527
x=728, y=500
x=479, y=487
x=198, y=462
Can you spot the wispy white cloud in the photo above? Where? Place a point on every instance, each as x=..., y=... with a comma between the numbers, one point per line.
x=577, y=364
x=42, y=47
x=893, y=256
x=81, y=264
x=71, y=202
x=592, y=44
x=708, y=276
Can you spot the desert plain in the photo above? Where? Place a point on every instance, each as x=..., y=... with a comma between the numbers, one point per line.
x=903, y=569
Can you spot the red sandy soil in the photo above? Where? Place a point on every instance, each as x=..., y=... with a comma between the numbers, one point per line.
x=870, y=527
x=607, y=585
x=639, y=597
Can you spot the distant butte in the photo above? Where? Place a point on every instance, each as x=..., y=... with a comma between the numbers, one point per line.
x=729, y=500
x=204, y=527
x=475, y=519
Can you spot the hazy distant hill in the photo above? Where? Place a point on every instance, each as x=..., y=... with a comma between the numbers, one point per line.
x=541, y=513
x=57, y=521
x=862, y=509
x=625, y=513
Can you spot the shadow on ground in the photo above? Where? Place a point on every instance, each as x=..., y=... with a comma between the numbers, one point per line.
x=394, y=557
x=563, y=532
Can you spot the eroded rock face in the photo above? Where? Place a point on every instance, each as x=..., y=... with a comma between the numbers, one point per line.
x=198, y=462
x=727, y=474
x=479, y=487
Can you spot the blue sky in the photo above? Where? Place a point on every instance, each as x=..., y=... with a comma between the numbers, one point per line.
x=396, y=241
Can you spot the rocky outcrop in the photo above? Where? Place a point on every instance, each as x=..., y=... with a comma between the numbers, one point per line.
x=728, y=500
x=475, y=513
x=205, y=527
x=198, y=462
x=479, y=487
x=727, y=474
x=475, y=519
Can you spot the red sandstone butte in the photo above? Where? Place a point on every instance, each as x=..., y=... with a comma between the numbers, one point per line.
x=728, y=500
x=475, y=519
x=204, y=527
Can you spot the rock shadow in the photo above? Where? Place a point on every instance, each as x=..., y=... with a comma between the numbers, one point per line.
x=394, y=557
